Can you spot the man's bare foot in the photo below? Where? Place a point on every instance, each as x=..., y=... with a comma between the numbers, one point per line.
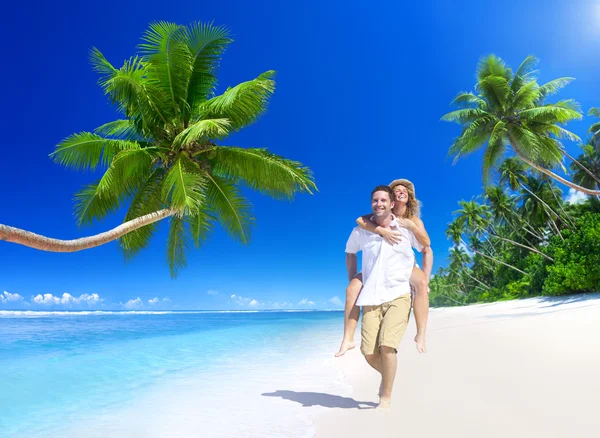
x=384, y=403
x=420, y=340
x=346, y=345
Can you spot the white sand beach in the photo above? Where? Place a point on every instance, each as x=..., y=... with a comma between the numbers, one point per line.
x=528, y=368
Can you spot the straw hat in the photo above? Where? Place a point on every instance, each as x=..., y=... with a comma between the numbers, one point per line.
x=406, y=183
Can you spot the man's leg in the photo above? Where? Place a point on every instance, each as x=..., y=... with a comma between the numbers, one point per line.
x=389, y=365
x=421, y=306
x=393, y=326
x=351, y=314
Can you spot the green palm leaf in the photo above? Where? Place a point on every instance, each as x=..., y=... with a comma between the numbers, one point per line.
x=177, y=245
x=85, y=151
x=170, y=64
x=121, y=130
x=146, y=200
x=184, y=186
x=554, y=86
x=206, y=43
x=231, y=208
x=242, y=104
x=523, y=73
x=89, y=205
x=262, y=171
x=202, y=131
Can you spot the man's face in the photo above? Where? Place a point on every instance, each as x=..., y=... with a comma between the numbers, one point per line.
x=381, y=204
x=401, y=193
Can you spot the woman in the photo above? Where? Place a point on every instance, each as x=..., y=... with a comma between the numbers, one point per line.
x=407, y=211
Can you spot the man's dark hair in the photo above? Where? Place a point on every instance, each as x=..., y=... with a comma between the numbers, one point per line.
x=384, y=189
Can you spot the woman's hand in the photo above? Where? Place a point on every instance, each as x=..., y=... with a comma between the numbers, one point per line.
x=406, y=223
x=392, y=237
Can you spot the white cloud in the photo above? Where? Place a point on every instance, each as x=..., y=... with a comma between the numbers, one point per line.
x=306, y=302
x=154, y=300
x=46, y=299
x=7, y=297
x=134, y=304
x=66, y=299
x=212, y=292
x=244, y=301
x=576, y=197
x=336, y=301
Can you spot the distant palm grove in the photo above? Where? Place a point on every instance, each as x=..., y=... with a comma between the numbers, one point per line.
x=519, y=238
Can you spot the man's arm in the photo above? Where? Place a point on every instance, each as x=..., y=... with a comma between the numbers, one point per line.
x=427, y=261
x=365, y=223
x=351, y=265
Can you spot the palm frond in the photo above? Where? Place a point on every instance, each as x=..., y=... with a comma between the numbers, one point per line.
x=127, y=169
x=170, y=64
x=554, y=86
x=549, y=114
x=200, y=226
x=85, y=150
x=495, y=149
x=469, y=100
x=177, y=245
x=473, y=137
x=231, y=208
x=184, y=186
x=523, y=74
x=202, y=131
x=206, y=43
x=89, y=205
x=263, y=171
x=526, y=96
x=492, y=65
x=496, y=90
x=146, y=200
x=242, y=104
x=463, y=116
x=121, y=130
x=129, y=89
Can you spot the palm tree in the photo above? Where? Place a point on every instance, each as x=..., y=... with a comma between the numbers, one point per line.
x=595, y=129
x=455, y=231
x=590, y=158
x=510, y=110
x=164, y=157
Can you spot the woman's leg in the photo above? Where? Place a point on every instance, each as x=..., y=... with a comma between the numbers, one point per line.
x=351, y=314
x=421, y=306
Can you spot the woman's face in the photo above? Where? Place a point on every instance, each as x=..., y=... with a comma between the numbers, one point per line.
x=401, y=194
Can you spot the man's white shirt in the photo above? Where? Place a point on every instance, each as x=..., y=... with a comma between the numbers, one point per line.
x=386, y=268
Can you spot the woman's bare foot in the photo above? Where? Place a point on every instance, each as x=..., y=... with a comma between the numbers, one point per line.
x=346, y=345
x=420, y=340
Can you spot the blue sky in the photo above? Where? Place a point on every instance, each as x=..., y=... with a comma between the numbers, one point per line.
x=360, y=92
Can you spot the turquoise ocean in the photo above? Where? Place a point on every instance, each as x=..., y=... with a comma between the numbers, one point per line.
x=68, y=372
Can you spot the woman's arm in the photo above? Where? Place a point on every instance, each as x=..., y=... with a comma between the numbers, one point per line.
x=417, y=227
x=391, y=236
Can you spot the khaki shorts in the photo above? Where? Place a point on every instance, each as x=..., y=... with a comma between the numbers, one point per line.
x=384, y=325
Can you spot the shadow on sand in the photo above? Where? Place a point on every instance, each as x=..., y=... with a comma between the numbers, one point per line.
x=321, y=399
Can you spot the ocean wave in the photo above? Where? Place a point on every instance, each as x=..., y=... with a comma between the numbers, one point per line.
x=54, y=313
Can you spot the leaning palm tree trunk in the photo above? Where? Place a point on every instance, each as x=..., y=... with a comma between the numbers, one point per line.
x=32, y=240
x=524, y=246
x=585, y=169
x=557, y=177
x=473, y=278
x=492, y=258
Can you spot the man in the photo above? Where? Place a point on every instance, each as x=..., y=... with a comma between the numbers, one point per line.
x=385, y=296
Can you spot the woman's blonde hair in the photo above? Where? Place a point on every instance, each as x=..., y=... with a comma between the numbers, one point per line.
x=413, y=206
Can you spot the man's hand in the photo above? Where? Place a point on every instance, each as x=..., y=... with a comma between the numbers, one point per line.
x=392, y=237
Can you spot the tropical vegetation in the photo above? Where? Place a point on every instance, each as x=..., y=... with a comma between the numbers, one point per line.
x=165, y=157
x=519, y=237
